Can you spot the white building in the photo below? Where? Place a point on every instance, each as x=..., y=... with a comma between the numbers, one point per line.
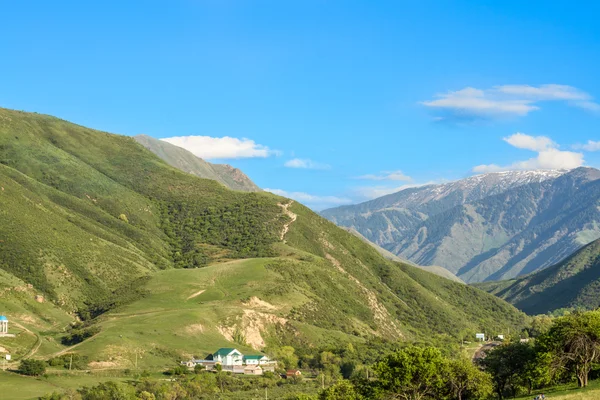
x=234, y=361
x=228, y=357
x=480, y=336
x=256, y=360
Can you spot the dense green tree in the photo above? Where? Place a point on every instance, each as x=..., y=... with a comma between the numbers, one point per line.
x=412, y=373
x=287, y=357
x=32, y=367
x=108, y=391
x=343, y=390
x=574, y=343
x=509, y=365
x=466, y=381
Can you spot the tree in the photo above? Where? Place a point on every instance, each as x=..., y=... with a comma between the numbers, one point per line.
x=412, y=373
x=342, y=390
x=574, y=342
x=466, y=381
x=287, y=357
x=198, y=368
x=32, y=367
x=108, y=390
x=508, y=364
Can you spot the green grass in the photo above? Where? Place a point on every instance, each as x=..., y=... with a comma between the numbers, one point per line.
x=17, y=387
x=568, y=392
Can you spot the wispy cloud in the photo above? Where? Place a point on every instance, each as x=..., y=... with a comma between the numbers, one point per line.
x=386, y=176
x=226, y=147
x=589, y=146
x=549, y=156
x=305, y=163
x=363, y=193
x=505, y=101
x=316, y=202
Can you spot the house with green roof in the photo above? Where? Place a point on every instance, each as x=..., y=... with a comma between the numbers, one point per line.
x=259, y=359
x=228, y=356
x=234, y=361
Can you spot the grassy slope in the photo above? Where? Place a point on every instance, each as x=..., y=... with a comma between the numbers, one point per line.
x=187, y=162
x=569, y=392
x=16, y=387
x=92, y=219
x=573, y=283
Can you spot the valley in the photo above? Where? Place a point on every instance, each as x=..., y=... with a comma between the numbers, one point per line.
x=114, y=258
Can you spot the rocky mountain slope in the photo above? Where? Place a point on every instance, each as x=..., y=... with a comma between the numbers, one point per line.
x=490, y=226
x=182, y=159
x=391, y=256
x=572, y=283
x=97, y=228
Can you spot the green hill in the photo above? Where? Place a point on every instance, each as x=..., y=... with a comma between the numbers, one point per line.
x=182, y=159
x=157, y=260
x=573, y=283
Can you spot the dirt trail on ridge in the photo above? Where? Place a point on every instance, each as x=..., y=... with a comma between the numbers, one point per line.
x=289, y=213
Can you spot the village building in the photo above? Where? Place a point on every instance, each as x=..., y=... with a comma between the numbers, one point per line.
x=228, y=357
x=234, y=361
x=256, y=360
x=293, y=373
x=253, y=370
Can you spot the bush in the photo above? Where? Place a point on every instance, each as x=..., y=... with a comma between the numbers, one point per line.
x=79, y=335
x=32, y=367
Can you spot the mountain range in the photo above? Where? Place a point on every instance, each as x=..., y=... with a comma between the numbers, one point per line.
x=486, y=227
x=571, y=284
x=105, y=244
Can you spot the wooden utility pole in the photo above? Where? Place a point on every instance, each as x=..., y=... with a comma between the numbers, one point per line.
x=266, y=393
x=71, y=362
x=322, y=381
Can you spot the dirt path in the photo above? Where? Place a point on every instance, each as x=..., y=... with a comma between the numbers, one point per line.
x=289, y=213
x=37, y=344
x=480, y=353
x=196, y=294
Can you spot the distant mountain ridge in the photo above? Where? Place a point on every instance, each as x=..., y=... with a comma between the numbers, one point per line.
x=491, y=226
x=443, y=272
x=573, y=283
x=184, y=160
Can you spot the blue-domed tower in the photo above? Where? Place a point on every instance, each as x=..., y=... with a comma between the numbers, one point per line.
x=3, y=325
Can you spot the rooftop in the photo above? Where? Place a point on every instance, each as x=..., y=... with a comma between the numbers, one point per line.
x=254, y=357
x=225, y=351
x=3, y=318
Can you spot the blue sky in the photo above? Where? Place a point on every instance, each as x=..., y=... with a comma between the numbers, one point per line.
x=330, y=102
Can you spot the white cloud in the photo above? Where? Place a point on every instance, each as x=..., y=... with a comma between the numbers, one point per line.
x=549, y=155
x=471, y=101
x=589, y=146
x=386, y=176
x=313, y=201
x=507, y=100
x=208, y=147
x=544, y=92
x=527, y=142
x=305, y=164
